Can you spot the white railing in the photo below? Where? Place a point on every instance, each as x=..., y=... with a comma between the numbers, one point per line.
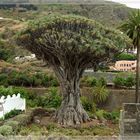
x=9, y=103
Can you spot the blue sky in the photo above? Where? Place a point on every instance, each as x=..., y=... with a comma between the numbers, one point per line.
x=129, y=3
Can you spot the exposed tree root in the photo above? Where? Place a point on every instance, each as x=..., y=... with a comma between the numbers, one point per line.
x=70, y=116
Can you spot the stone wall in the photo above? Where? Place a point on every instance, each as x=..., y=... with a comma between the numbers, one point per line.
x=130, y=121
x=116, y=99
x=109, y=76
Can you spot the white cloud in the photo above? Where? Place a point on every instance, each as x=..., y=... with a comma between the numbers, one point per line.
x=129, y=3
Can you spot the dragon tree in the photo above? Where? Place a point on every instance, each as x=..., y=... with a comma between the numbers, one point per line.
x=70, y=44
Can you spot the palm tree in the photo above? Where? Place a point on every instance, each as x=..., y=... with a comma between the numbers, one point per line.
x=132, y=28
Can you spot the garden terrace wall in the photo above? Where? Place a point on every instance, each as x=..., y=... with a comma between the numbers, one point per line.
x=116, y=98
x=109, y=76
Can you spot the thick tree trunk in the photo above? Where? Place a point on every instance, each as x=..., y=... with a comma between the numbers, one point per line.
x=71, y=111
x=138, y=75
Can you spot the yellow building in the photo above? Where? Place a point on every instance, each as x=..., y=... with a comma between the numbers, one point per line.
x=125, y=65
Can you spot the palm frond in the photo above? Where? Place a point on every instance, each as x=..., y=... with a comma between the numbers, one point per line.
x=132, y=27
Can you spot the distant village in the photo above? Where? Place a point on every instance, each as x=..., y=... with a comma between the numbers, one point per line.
x=121, y=65
x=125, y=65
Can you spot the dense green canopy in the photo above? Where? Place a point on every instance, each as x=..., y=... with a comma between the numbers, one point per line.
x=72, y=38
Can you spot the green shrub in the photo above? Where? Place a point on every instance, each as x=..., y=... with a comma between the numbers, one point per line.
x=4, y=54
x=53, y=99
x=23, y=80
x=123, y=79
x=39, y=75
x=25, y=131
x=3, y=79
x=100, y=94
x=23, y=119
x=6, y=91
x=6, y=51
x=91, y=81
x=100, y=114
x=12, y=113
x=91, y=114
x=23, y=92
x=45, y=81
x=102, y=82
x=119, y=81
x=12, y=78
x=19, y=79
x=6, y=130
x=88, y=105
x=14, y=125
x=32, y=103
x=54, y=82
x=126, y=56
x=129, y=81
x=26, y=79
x=114, y=116
x=40, y=101
x=37, y=79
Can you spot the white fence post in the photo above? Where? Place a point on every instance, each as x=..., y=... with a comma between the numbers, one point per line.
x=9, y=103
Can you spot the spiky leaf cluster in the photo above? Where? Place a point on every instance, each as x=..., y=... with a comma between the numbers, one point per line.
x=72, y=41
x=132, y=27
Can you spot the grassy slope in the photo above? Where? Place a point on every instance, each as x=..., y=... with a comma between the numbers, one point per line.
x=108, y=13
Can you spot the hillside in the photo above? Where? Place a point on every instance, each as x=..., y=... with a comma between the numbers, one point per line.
x=108, y=13
x=13, y=19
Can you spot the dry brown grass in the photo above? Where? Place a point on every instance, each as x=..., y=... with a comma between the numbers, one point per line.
x=11, y=24
x=30, y=66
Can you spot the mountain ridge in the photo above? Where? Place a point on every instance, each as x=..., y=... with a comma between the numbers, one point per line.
x=59, y=1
